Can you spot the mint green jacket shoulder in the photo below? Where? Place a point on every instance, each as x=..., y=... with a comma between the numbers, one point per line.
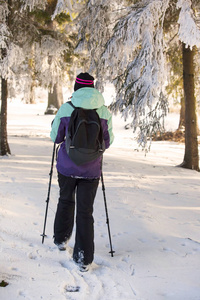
x=105, y=114
x=64, y=111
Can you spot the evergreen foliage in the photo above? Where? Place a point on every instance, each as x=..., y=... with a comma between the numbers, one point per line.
x=33, y=35
x=127, y=42
x=124, y=42
x=32, y=49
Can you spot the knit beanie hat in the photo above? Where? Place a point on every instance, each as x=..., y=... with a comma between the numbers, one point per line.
x=83, y=80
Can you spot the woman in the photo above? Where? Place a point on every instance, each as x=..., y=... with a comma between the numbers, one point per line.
x=81, y=181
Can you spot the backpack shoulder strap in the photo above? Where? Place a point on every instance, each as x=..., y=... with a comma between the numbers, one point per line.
x=70, y=103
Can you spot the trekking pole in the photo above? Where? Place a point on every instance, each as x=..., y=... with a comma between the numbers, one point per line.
x=107, y=219
x=48, y=195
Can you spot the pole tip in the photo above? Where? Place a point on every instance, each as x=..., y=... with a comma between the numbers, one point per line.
x=112, y=253
x=43, y=236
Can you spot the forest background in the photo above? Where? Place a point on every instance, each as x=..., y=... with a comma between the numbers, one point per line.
x=147, y=49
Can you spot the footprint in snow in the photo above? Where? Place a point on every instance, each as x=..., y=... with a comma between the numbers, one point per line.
x=142, y=240
x=169, y=250
x=72, y=288
x=33, y=255
x=63, y=264
x=23, y=294
x=68, y=264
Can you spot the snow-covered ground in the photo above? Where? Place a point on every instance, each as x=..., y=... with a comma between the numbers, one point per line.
x=154, y=217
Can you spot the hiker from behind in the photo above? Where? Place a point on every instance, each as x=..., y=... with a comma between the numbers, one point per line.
x=79, y=179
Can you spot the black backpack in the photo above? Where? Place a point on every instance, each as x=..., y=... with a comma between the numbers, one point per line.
x=84, y=141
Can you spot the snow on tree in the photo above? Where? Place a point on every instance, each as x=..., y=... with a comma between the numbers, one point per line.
x=122, y=42
x=31, y=4
x=68, y=6
x=190, y=39
x=126, y=46
x=138, y=43
x=189, y=33
x=19, y=34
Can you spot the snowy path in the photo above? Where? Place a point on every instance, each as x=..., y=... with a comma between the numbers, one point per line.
x=154, y=216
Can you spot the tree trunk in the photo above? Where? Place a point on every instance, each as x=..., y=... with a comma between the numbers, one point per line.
x=32, y=93
x=191, y=157
x=181, y=125
x=33, y=79
x=55, y=100
x=4, y=147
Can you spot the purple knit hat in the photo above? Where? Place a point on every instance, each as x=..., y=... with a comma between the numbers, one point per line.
x=83, y=80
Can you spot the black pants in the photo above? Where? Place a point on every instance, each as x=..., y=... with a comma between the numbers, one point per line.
x=85, y=190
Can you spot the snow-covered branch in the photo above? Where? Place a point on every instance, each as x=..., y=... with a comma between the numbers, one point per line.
x=48, y=59
x=189, y=33
x=4, y=34
x=95, y=24
x=134, y=58
x=126, y=47
x=29, y=47
x=3, y=11
x=67, y=6
x=31, y=4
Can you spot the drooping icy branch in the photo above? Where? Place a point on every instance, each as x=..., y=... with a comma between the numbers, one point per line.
x=17, y=40
x=67, y=6
x=189, y=33
x=126, y=47
x=31, y=4
x=134, y=57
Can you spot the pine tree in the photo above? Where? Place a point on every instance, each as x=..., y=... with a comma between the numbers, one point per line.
x=4, y=146
x=19, y=33
x=189, y=33
x=6, y=21
x=129, y=43
x=128, y=47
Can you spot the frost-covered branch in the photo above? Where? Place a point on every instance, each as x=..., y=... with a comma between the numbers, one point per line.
x=189, y=33
x=31, y=4
x=125, y=45
x=95, y=24
x=4, y=31
x=70, y=7
x=20, y=32
x=48, y=59
x=134, y=58
x=3, y=11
